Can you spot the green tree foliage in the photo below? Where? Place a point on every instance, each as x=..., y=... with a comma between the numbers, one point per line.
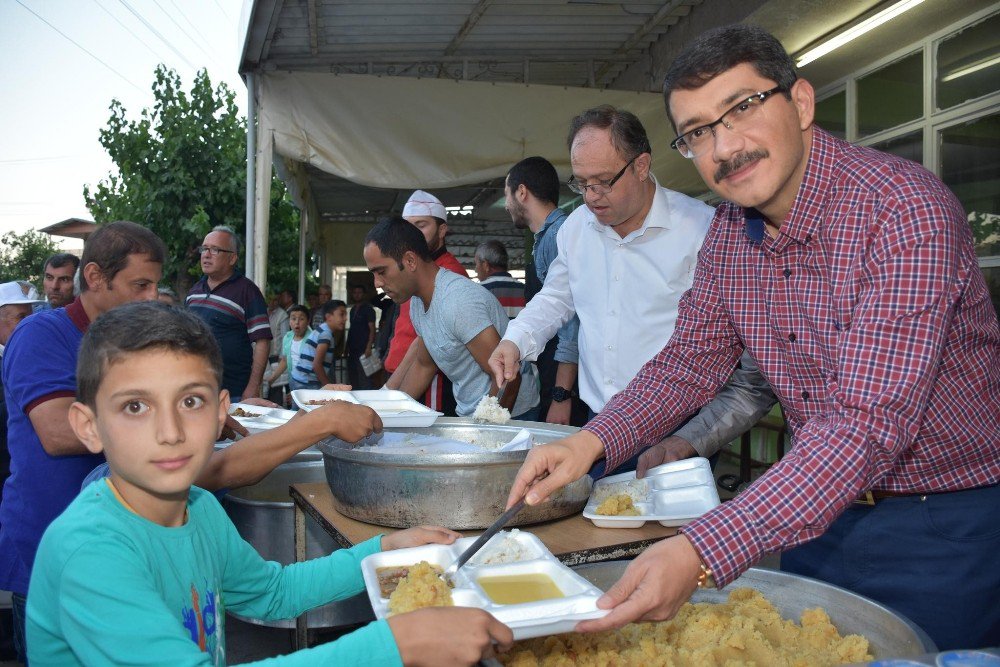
x=22, y=256
x=180, y=169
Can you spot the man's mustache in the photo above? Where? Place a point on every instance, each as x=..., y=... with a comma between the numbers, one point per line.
x=741, y=160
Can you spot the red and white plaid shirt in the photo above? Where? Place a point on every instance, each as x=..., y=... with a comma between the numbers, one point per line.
x=869, y=316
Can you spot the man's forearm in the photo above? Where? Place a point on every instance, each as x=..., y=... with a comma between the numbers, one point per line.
x=735, y=409
x=51, y=423
x=566, y=375
x=247, y=461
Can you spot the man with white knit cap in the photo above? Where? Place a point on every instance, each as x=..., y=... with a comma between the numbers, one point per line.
x=425, y=212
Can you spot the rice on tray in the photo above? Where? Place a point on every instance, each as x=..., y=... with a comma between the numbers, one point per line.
x=490, y=411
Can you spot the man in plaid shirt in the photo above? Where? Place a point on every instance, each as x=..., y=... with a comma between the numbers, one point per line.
x=851, y=278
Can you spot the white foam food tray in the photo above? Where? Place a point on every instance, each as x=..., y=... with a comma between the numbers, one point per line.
x=527, y=620
x=395, y=408
x=672, y=494
x=266, y=418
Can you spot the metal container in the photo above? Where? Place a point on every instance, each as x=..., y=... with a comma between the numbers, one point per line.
x=264, y=516
x=889, y=634
x=460, y=491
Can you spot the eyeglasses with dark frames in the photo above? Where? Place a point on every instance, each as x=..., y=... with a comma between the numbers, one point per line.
x=696, y=142
x=212, y=250
x=600, y=187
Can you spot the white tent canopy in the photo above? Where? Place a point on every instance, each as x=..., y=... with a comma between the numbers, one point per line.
x=407, y=133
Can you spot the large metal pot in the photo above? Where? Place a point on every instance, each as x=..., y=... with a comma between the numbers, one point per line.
x=460, y=491
x=264, y=516
x=890, y=634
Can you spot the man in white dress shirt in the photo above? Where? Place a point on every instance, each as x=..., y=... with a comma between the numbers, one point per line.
x=624, y=261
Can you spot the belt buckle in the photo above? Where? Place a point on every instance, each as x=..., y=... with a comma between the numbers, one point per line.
x=868, y=499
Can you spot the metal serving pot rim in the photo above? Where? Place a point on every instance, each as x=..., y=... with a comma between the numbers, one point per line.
x=339, y=449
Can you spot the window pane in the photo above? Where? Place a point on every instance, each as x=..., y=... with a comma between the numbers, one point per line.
x=992, y=275
x=968, y=63
x=831, y=114
x=891, y=96
x=910, y=146
x=970, y=166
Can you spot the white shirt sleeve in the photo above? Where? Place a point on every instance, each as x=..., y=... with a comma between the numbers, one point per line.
x=547, y=311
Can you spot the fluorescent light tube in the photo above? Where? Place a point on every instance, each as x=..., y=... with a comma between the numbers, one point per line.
x=853, y=33
x=971, y=68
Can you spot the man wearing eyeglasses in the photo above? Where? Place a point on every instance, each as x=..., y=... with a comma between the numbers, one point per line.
x=235, y=311
x=624, y=259
x=851, y=276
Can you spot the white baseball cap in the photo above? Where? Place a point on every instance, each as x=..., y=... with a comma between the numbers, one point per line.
x=423, y=203
x=13, y=294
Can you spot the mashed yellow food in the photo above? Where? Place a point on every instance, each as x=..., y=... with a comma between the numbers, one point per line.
x=421, y=587
x=618, y=505
x=746, y=630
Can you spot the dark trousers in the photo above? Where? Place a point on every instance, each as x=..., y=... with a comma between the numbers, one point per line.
x=18, y=604
x=356, y=374
x=931, y=558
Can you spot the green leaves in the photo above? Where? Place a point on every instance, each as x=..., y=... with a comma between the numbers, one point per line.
x=22, y=256
x=180, y=169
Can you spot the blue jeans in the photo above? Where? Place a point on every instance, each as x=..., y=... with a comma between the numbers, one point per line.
x=932, y=558
x=18, y=603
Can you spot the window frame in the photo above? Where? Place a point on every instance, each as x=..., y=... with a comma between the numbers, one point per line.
x=933, y=121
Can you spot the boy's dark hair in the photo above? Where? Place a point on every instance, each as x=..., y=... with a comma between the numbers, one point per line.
x=721, y=49
x=332, y=305
x=538, y=175
x=110, y=245
x=628, y=136
x=137, y=327
x=394, y=237
x=61, y=259
x=299, y=308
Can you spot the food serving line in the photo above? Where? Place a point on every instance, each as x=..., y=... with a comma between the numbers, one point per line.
x=573, y=540
x=417, y=474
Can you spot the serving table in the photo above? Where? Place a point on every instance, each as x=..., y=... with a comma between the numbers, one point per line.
x=573, y=540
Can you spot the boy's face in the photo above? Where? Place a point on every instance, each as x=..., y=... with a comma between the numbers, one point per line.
x=156, y=418
x=337, y=319
x=298, y=323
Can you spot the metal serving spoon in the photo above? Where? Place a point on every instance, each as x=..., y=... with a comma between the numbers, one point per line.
x=452, y=569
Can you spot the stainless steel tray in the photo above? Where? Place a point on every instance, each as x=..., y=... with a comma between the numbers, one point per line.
x=460, y=491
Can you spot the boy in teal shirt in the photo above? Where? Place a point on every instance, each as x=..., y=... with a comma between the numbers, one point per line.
x=141, y=566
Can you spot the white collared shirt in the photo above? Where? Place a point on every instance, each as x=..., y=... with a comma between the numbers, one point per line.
x=625, y=290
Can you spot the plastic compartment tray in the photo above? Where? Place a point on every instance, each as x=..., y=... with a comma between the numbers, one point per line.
x=395, y=408
x=527, y=620
x=673, y=494
x=267, y=418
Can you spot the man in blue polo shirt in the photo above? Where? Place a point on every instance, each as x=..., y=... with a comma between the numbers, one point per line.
x=121, y=262
x=235, y=312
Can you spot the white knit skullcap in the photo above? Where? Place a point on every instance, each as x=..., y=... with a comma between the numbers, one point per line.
x=423, y=203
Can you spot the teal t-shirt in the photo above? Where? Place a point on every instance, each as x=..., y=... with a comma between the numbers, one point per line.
x=111, y=588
